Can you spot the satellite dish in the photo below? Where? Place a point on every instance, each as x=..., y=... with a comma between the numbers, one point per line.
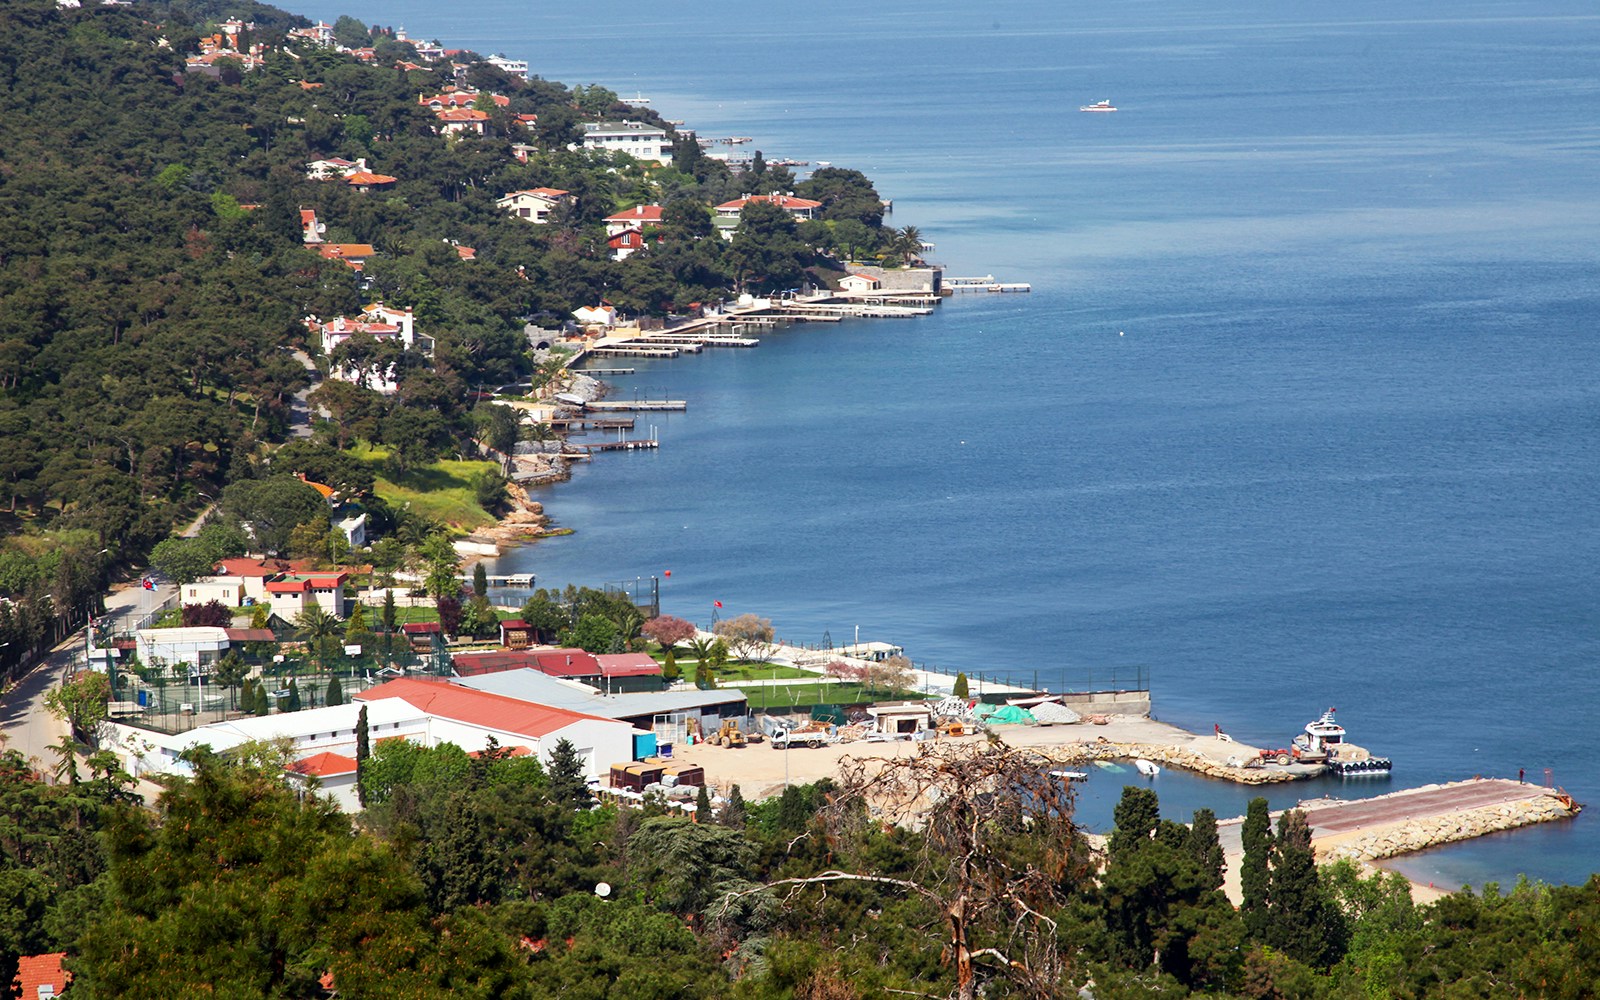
x=602, y=889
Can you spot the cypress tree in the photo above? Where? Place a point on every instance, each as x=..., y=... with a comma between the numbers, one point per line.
x=960, y=688
x=294, y=697
x=734, y=813
x=1206, y=848
x=1137, y=816
x=1306, y=924
x=702, y=806
x=262, y=705
x=1255, y=873
x=363, y=751
x=335, y=692
x=480, y=580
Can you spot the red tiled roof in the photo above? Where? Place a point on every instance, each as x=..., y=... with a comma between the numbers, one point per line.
x=638, y=213
x=343, y=250
x=256, y=567
x=478, y=708
x=34, y=971
x=511, y=623
x=325, y=765
x=784, y=201
x=250, y=635
x=362, y=177
x=462, y=115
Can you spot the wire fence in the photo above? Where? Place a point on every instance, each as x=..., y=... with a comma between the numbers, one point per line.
x=177, y=699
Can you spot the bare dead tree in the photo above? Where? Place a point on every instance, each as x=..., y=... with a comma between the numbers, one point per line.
x=999, y=852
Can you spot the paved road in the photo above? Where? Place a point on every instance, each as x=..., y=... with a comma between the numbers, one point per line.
x=27, y=726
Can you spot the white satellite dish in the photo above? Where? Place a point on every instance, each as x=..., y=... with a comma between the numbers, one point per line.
x=602, y=889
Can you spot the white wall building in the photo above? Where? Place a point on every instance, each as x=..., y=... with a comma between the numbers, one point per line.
x=639, y=140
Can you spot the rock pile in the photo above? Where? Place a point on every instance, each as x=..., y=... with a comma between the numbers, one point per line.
x=1415, y=835
x=1189, y=760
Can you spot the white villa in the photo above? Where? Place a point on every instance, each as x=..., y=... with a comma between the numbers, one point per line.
x=638, y=139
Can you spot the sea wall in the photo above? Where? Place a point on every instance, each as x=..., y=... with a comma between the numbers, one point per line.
x=1415, y=835
x=1169, y=756
x=1107, y=702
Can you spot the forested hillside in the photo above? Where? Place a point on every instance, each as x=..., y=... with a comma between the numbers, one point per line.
x=154, y=286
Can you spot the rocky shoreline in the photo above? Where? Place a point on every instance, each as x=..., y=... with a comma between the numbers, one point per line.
x=1171, y=756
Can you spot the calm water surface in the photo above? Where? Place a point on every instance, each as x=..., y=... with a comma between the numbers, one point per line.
x=1302, y=411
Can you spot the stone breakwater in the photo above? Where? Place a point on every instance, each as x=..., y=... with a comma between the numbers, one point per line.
x=1415, y=835
x=1173, y=756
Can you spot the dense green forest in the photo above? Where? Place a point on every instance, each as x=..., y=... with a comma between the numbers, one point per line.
x=489, y=876
x=154, y=286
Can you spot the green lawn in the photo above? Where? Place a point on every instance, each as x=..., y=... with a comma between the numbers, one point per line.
x=442, y=491
x=732, y=673
x=787, y=695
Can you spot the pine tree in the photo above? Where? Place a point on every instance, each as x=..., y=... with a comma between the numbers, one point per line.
x=335, y=692
x=961, y=686
x=1255, y=872
x=363, y=751
x=356, y=628
x=734, y=812
x=568, y=785
x=1206, y=848
x=702, y=806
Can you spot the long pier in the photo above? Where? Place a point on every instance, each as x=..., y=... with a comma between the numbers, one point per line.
x=623, y=406
x=592, y=423
x=985, y=283
x=1414, y=819
x=841, y=309
x=635, y=444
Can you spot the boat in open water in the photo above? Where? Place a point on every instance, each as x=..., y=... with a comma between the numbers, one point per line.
x=1098, y=106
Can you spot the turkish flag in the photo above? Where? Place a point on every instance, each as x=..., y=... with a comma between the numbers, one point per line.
x=717, y=603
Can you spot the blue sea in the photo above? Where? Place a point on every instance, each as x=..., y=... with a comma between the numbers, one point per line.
x=1301, y=412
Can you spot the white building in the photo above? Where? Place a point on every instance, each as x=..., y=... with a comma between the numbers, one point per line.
x=639, y=140
x=516, y=67
x=534, y=204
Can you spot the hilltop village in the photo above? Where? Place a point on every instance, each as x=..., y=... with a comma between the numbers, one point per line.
x=289, y=312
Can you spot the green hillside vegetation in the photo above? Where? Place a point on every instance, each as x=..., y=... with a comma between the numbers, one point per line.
x=154, y=286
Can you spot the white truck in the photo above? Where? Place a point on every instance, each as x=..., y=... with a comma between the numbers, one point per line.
x=783, y=739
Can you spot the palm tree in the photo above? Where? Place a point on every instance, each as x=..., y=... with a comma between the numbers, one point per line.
x=701, y=648
x=67, y=749
x=316, y=626
x=908, y=244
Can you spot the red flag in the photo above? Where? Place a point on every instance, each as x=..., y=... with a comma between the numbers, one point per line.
x=717, y=603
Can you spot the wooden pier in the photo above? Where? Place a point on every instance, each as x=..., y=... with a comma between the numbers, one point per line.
x=638, y=444
x=852, y=309
x=592, y=423
x=626, y=351
x=624, y=406
x=606, y=371
x=985, y=283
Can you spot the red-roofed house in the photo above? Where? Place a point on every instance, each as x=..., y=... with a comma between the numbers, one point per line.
x=364, y=180
x=457, y=99
x=457, y=120
x=331, y=167
x=353, y=254
x=859, y=284
x=40, y=977
x=636, y=217
x=310, y=229
x=800, y=208
x=335, y=775
x=291, y=595
x=420, y=635
x=511, y=721
x=516, y=634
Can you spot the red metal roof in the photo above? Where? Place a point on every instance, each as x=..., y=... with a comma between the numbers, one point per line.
x=250, y=635
x=420, y=628
x=476, y=664
x=478, y=708
x=628, y=665
x=567, y=663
